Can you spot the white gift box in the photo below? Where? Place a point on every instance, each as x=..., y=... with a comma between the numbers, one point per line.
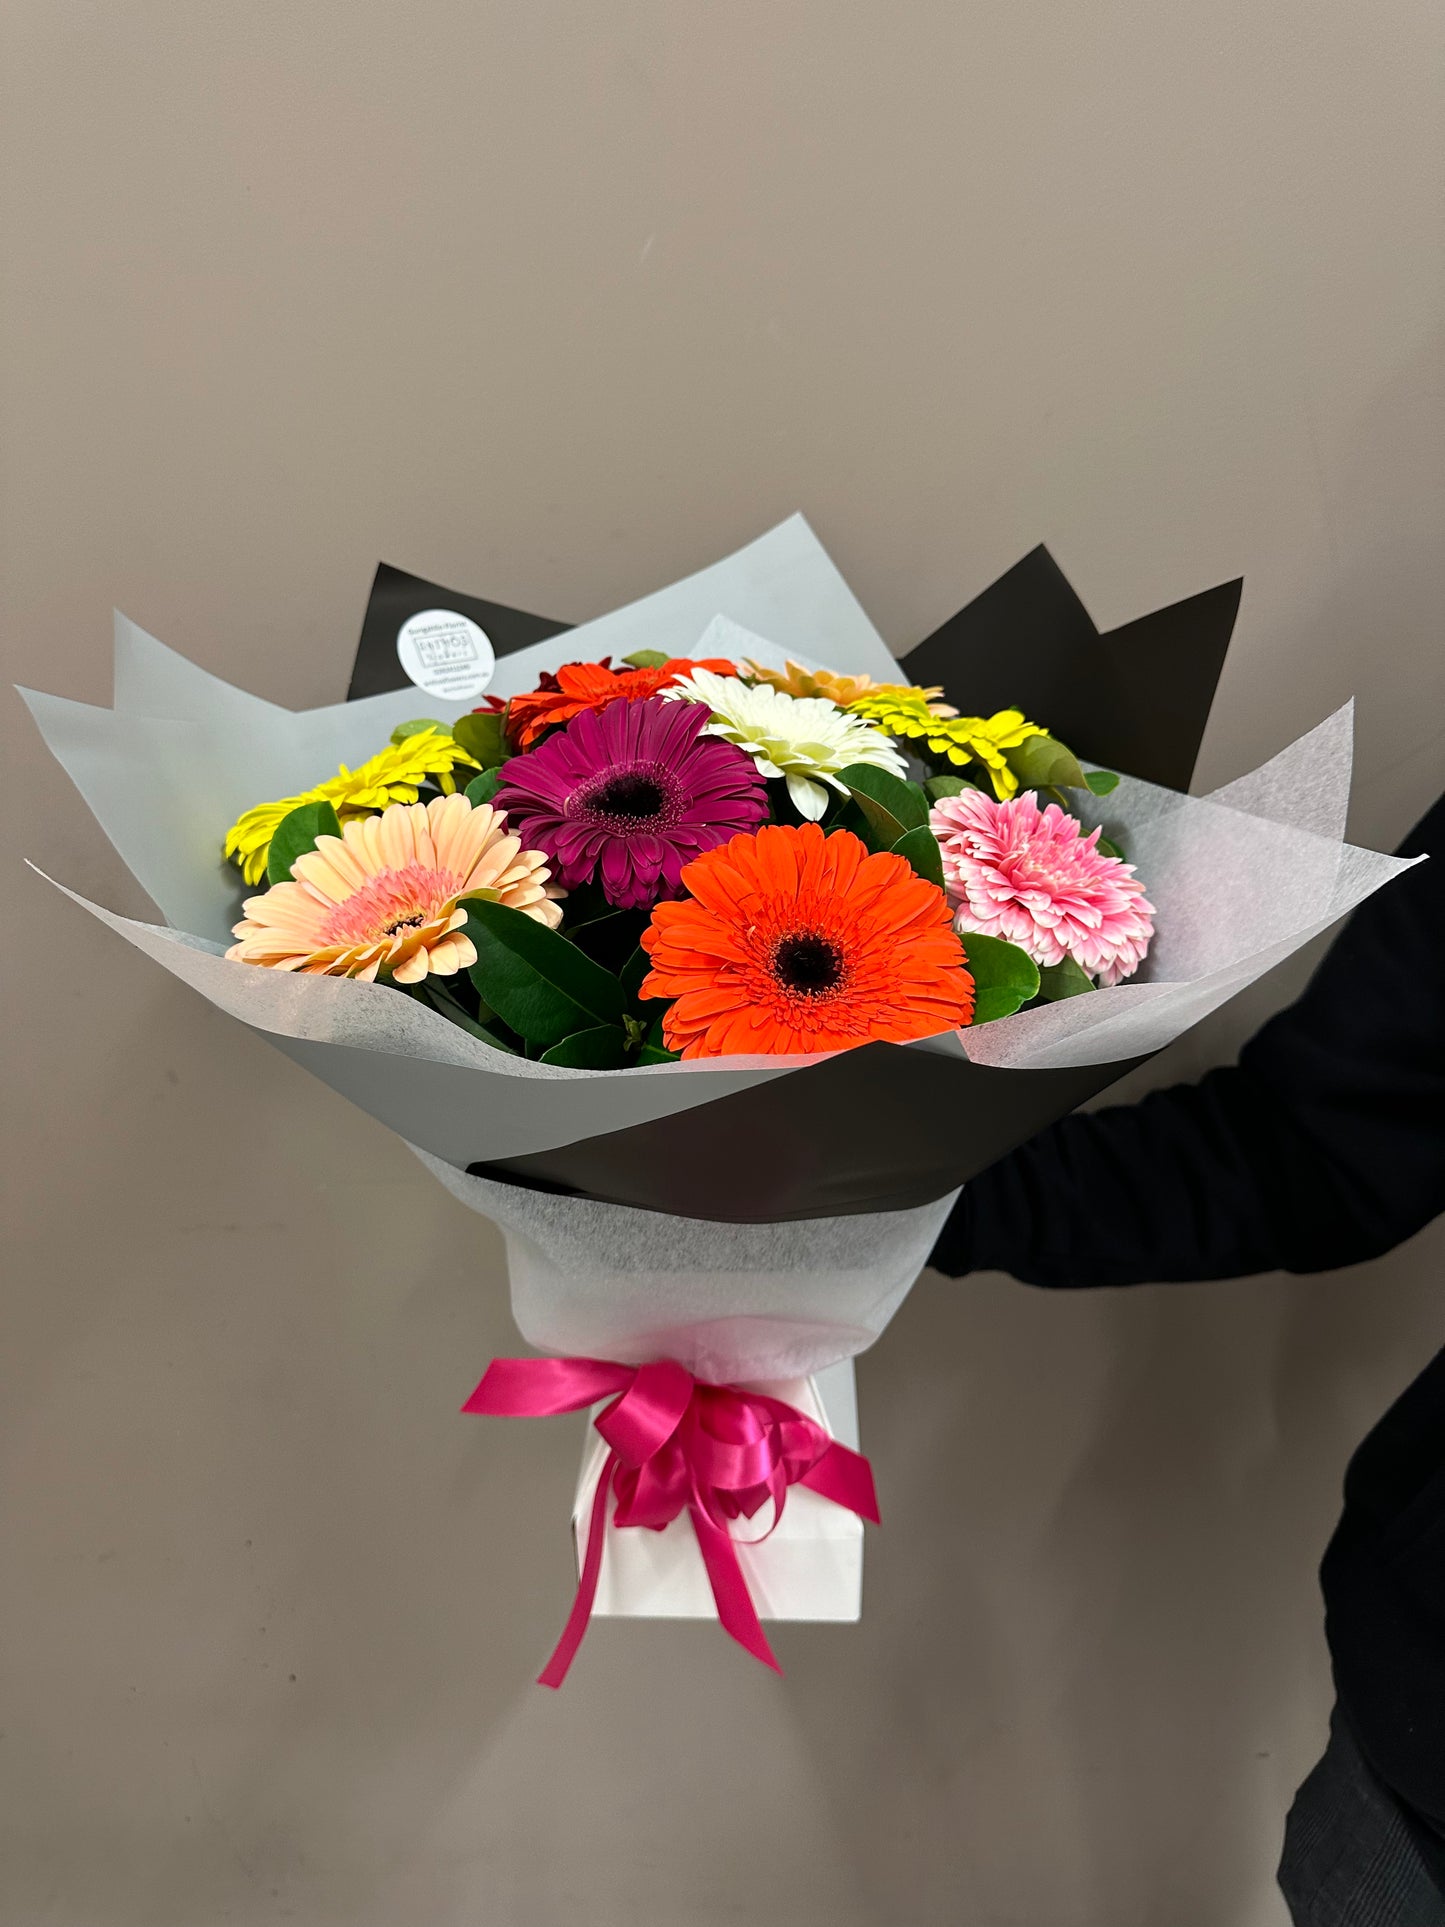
x=809, y=1567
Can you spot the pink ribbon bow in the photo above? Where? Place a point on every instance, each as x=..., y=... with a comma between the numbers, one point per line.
x=678, y=1444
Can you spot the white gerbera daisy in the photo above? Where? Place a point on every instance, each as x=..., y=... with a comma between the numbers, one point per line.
x=806, y=739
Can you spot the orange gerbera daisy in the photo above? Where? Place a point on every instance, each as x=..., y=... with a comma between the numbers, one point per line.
x=384, y=894
x=592, y=685
x=794, y=941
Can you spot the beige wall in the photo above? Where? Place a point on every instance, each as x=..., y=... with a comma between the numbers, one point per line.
x=554, y=303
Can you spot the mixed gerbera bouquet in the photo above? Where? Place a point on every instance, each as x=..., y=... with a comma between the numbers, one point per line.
x=708, y=957
x=701, y=858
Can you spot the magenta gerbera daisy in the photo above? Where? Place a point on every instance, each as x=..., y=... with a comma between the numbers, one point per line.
x=629, y=794
x=1032, y=877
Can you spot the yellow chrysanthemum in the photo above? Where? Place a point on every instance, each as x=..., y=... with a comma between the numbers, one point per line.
x=394, y=776
x=962, y=739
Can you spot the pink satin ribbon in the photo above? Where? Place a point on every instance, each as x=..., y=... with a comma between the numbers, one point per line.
x=678, y=1444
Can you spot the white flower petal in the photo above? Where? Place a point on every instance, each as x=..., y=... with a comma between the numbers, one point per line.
x=809, y=799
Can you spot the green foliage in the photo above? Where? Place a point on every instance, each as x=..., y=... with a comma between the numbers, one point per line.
x=418, y=728
x=609, y=940
x=482, y=735
x=538, y=983
x=632, y=973
x=1005, y=978
x=296, y=834
x=646, y=659
x=1103, y=782
x=937, y=787
x=1040, y=763
x=603, y=1048
x=889, y=805
x=1060, y=980
x=430, y=991
x=919, y=849
x=483, y=788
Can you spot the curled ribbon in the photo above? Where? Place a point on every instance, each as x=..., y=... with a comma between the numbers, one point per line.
x=678, y=1444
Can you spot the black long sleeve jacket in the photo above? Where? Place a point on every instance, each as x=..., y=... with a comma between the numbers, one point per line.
x=1323, y=1146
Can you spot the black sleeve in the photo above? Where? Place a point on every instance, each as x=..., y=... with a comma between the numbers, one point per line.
x=1323, y=1146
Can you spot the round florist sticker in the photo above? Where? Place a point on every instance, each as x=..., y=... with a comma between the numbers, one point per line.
x=445, y=654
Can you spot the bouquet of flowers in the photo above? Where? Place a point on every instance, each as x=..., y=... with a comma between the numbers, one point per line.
x=709, y=954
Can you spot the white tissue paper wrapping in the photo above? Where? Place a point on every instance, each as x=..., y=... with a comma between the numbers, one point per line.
x=1239, y=880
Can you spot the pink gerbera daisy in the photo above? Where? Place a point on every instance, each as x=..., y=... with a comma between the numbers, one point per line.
x=629, y=794
x=1032, y=877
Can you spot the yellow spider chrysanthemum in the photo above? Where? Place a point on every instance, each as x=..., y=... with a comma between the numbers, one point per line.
x=962, y=739
x=394, y=776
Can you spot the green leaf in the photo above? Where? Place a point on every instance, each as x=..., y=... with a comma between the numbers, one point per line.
x=646, y=659
x=418, y=728
x=482, y=736
x=1004, y=977
x=604, y=1048
x=1040, y=763
x=940, y=786
x=449, y=1008
x=656, y=1054
x=1060, y=980
x=632, y=973
x=920, y=849
x=295, y=835
x=891, y=806
x=586, y=904
x=536, y=981
x=483, y=788
x=608, y=940
x=1102, y=781
x=1110, y=849
x=654, y=1035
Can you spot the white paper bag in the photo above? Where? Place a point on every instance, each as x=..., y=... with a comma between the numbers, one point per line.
x=809, y=1567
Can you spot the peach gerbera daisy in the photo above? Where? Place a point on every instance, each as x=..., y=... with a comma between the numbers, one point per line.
x=384, y=895
x=794, y=941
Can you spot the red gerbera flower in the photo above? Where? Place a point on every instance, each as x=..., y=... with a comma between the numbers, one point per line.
x=591, y=685
x=794, y=941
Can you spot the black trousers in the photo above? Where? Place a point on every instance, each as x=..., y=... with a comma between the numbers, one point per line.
x=1352, y=1856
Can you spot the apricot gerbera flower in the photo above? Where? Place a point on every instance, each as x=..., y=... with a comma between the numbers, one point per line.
x=793, y=941
x=592, y=685
x=385, y=894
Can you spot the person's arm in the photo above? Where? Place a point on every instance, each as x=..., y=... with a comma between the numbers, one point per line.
x=1325, y=1145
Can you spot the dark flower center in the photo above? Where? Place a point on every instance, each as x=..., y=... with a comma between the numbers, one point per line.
x=631, y=794
x=808, y=964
